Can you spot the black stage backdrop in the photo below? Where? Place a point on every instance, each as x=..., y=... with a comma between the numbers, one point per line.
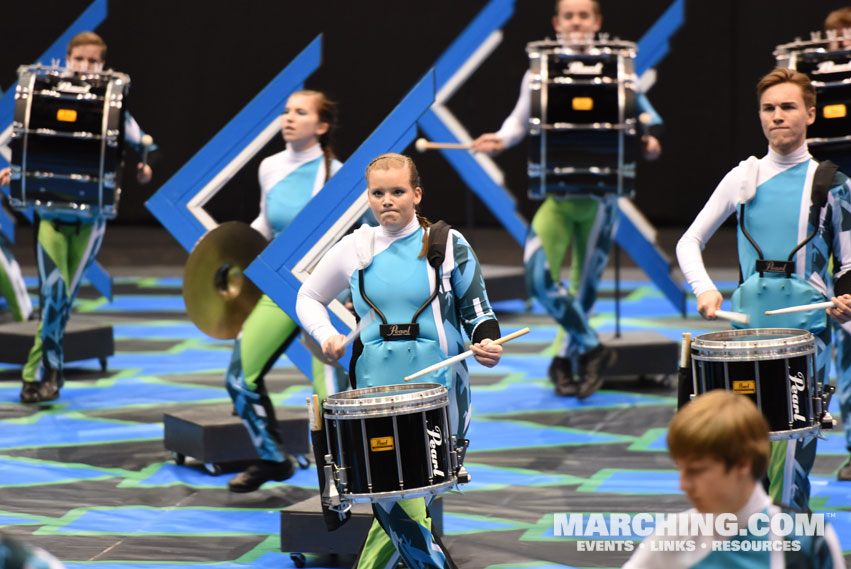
x=195, y=64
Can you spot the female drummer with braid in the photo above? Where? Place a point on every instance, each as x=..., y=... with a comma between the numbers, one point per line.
x=288, y=180
x=388, y=271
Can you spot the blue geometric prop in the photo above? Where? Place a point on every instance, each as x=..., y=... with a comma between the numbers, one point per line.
x=90, y=19
x=655, y=43
x=272, y=270
x=169, y=203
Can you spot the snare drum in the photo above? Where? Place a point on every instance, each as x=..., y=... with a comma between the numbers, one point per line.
x=583, y=126
x=67, y=141
x=391, y=442
x=774, y=367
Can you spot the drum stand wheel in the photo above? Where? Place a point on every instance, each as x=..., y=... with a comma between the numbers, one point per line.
x=303, y=461
x=179, y=459
x=298, y=559
x=213, y=468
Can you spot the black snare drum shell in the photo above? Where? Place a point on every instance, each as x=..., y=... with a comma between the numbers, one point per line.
x=774, y=386
x=380, y=455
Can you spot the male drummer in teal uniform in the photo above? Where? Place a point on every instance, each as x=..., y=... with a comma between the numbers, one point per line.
x=389, y=271
x=67, y=246
x=780, y=205
x=586, y=222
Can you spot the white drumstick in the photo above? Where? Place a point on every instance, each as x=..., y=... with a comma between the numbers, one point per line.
x=463, y=356
x=147, y=141
x=364, y=322
x=801, y=308
x=740, y=317
x=422, y=145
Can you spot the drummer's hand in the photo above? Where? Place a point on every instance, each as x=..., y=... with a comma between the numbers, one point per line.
x=652, y=147
x=5, y=176
x=143, y=173
x=708, y=302
x=488, y=143
x=333, y=347
x=841, y=311
x=486, y=352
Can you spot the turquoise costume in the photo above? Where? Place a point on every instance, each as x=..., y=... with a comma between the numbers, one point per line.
x=288, y=180
x=772, y=195
x=398, y=282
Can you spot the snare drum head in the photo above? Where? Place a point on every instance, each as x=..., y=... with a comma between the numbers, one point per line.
x=753, y=344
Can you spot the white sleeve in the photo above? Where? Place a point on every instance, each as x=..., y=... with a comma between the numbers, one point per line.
x=516, y=125
x=718, y=208
x=329, y=278
x=261, y=223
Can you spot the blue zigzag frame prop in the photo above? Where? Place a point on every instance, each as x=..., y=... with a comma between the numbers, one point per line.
x=272, y=271
x=170, y=203
x=90, y=19
x=653, y=47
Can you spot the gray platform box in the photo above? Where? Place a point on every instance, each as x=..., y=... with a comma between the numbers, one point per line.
x=641, y=354
x=214, y=436
x=303, y=528
x=83, y=341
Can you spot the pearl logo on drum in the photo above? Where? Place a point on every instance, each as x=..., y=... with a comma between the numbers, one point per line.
x=69, y=87
x=832, y=67
x=797, y=385
x=579, y=68
x=435, y=440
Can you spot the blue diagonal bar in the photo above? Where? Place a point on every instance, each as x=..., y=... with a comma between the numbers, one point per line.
x=655, y=43
x=271, y=271
x=169, y=203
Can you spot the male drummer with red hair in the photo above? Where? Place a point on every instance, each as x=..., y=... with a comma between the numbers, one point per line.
x=577, y=220
x=793, y=214
x=67, y=246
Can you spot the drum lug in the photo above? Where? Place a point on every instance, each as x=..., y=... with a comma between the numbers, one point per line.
x=463, y=476
x=827, y=422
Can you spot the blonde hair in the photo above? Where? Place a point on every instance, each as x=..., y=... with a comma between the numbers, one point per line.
x=838, y=19
x=783, y=75
x=391, y=161
x=87, y=38
x=723, y=425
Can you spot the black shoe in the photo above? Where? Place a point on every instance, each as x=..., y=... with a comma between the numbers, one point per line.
x=591, y=368
x=48, y=388
x=561, y=374
x=844, y=471
x=29, y=392
x=259, y=473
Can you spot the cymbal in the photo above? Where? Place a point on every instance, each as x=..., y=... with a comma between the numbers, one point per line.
x=218, y=295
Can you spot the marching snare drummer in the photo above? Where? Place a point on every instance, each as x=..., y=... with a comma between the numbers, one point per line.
x=793, y=214
x=581, y=221
x=425, y=307
x=67, y=246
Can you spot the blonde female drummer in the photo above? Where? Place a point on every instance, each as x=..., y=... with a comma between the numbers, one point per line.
x=420, y=311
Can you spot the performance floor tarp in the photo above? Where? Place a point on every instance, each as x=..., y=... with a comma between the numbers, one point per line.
x=87, y=477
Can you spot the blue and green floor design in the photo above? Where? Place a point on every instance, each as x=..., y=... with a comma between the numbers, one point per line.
x=87, y=477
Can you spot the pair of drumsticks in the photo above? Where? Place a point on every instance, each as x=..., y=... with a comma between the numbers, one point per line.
x=743, y=318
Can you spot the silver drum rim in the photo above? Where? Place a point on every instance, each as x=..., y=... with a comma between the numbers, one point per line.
x=726, y=345
x=386, y=400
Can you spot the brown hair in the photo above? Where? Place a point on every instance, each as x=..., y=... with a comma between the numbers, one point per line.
x=88, y=38
x=723, y=425
x=595, y=3
x=393, y=160
x=838, y=19
x=327, y=111
x=783, y=75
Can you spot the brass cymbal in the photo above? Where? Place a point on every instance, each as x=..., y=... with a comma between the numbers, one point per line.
x=218, y=295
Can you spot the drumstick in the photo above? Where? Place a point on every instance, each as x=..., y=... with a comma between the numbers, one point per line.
x=422, y=145
x=733, y=316
x=801, y=308
x=463, y=356
x=364, y=322
x=314, y=417
x=147, y=141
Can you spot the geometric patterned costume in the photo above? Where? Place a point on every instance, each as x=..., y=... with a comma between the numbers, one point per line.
x=398, y=282
x=775, y=192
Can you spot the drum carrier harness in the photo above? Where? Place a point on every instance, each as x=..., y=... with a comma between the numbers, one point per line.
x=438, y=233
